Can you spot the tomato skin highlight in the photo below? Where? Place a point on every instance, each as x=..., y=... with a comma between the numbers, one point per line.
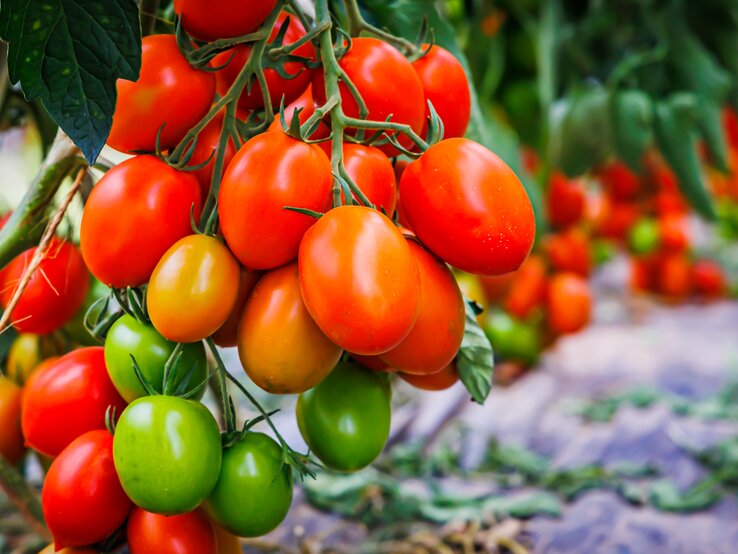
x=359, y=280
x=269, y=172
x=227, y=335
x=436, y=336
x=190, y=533
x=345, y=419
x=82, y=499
x=67, y=399
x=167, y=453
x=468, y=207
x=168, y=93
x=140, y=206
x=281, y=348
x=213, y=19
x=12, y=446
x=441, y=380
x=55, y=292
x=192, y=289
x=254, y=489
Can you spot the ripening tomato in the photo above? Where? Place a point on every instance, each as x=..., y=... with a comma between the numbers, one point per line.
x=644, y=237
x=496, y=287
x=227, y=335
x=213, y=19
x=192, y=289
x=674, y=233
x=569, y=250
x=674, y=275
x=468, y=207
x=619, y=181
x=565, y=200
x=167, y=100
x=207, y=142
x=82, y=499
x=67, y=399
x=189, y=533
x=569, y=303
x=11, y=436
x=345, y=419
x=528, y=289
x=387, y=83
x=281, y=348
x=24, y=356
x=513, y=339
x=441, y=380
x=708, y=278
x=134, y=214
x=228, y=543
x=305, y=103
x=359, y=280
x=55, y=292
x=436, y=336
x=254, y=489
x=280, y=87
x=446, y=86
x=270, y=172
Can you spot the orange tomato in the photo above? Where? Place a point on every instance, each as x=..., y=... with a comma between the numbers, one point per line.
x=674, y=275
x=227, y=335
x=569, y=251
x=708, y=278
x=441, y=380
x=565, y=200
x=569, y=303
x=11, y=437
x=674, y=231
x=528, y=289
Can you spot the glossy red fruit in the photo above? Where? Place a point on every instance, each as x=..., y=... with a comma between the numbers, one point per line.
x=207, y=142
x=67, y=399
x=528, y=289
x=373, y=173
x=190, y=533
x=55, y=293
x=272, y=171
x=674, y=275
x=167, y=100
x=468, y=207
x=359, y=280
x=213, y=19
x=565, y=200
x=305, y=106
x=569, y=250
x=134, y=214
x=441, y=380
x=569, y=303
x=83, y=501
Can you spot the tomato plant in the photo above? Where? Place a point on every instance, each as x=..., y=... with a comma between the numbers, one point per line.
x=190, y=533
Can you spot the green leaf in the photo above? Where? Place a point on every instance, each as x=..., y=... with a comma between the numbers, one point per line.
x=475, y=360
x=665, y=496
x=631, y=113
x=70, y=53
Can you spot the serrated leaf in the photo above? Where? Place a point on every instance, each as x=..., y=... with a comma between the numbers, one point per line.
x=69, y=54
x=475, y=360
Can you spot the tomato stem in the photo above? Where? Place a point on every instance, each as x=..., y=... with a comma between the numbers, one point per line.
x=357, y=24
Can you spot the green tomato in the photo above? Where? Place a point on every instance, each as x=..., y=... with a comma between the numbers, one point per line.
x=513, y=339
x=128, y=337
x=254, y=489
x=603, y=250
x=345, y=419
x=644, y=237
x=75, y=327
x=167, y=452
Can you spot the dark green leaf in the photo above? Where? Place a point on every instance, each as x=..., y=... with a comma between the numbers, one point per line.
x=475, y=360
x=69, y=53
x=632, y=131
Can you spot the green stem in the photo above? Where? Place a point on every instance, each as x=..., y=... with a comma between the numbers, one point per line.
x=23, y=497
x=386, y=125
x=221, y=389
x=357, y=24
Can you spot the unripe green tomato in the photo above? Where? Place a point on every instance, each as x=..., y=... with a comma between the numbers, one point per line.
x=513, y=339
x=603, y=250
x=128, y=337
x=345, y=419
x=644, y=237
x=167, y=452
x=75, y=327
x=254, y=490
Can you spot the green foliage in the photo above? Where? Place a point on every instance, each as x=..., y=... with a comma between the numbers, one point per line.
x=475, y=360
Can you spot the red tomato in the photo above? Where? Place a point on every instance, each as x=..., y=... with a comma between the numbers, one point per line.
x=569, y=251
x=496, y=287
x=55, y=293
x=620, y=182
x=134, y=214
x=569, y=304
x=279, y=87
x=615, y=219
x=67, y=399
x=207, y=142
x=169, y=93
x=269, y=172
x=674, y=275
x=213, y=19
x=565, y=200
x=674, y=233
x=446, y=86
x=708, y=278
x=359, y=280
x=375, y=363
x=83, y=501
x=528, y=289
x=306, y=104
x=730, y=123
x=468, y=207
x=373, y=173
x=190, y=533
x=642, y=274
x=436, y=336
x=387, y=83
x=11, y=437
x=441, y=380
x=227, y=335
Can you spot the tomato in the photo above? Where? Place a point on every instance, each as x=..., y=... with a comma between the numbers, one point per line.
x=615, y=219
x=674, y=232
x=227, y=542
x=642, y=273
x=11, y=436
x=619, y=181
x=446, y=86
x=207, y=141
x=190, y=533
x=528, y=289
x=373, y=173
x=513, y=339
x=436, y=336
x=569, y=250
x=272, y=171
x=441, y=380
x=569, y=303
x=128, y=338
x=674, y=275
x=345, y=419
x=305, y=103
x=468, y=207
x=227, y=335
x=254, y=489
x=281, y=348
x=708, y=278
x=193, y=289
x=67, y=399
x=359, y=280
x=167, y=452
x=565, y=200
x=167, y=100
x=24, y=356
x=213, y=19
x=287, y=88
x=645, y=236
x=387, y=83
x=55, y=292
x=495, y=287
x=375, y=363
x=134, y=214
x=82, y=499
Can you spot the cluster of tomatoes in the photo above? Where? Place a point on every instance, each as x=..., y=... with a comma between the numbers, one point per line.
x=320, y=294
